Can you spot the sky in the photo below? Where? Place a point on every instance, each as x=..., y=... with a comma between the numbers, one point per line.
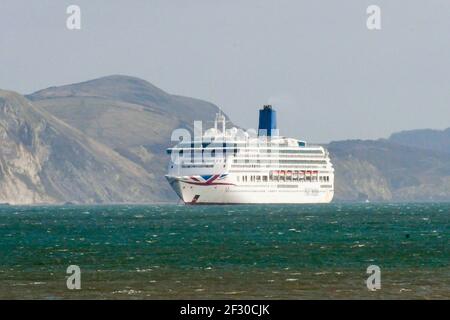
x=328, y=76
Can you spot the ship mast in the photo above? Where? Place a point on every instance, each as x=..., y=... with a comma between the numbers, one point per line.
x=220, y=119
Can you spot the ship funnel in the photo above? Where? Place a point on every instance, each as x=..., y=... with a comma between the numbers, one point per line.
x=267, y=122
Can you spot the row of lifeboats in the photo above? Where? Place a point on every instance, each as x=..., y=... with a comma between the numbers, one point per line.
x=294, y=173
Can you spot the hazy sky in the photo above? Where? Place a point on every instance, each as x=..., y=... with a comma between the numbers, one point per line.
x=328, y=76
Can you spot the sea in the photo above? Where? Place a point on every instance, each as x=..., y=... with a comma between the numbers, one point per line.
x=226, y=252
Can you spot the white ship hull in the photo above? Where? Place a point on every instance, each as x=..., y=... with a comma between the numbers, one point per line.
x=270, y=193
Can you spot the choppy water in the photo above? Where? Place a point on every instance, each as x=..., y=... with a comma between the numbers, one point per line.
x=226, y=252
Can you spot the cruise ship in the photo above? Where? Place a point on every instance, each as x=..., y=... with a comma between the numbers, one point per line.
x=230, y=166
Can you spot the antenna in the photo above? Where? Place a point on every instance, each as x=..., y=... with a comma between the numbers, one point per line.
x=220, y=115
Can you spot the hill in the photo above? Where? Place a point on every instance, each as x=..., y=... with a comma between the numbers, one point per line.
x=427, y=139
x=131, y=116
x=44, y=160
x=381, y=170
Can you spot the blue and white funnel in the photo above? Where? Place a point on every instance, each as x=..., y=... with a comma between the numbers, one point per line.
x=267, y=122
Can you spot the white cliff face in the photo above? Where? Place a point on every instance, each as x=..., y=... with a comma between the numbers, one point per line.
x=358, y=179
x=21, y=155
x=44, y=160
